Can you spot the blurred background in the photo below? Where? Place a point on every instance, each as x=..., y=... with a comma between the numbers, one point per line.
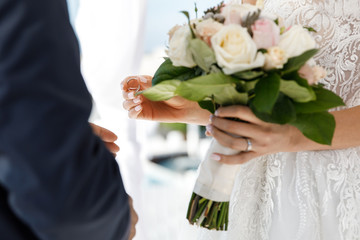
x=158, y=162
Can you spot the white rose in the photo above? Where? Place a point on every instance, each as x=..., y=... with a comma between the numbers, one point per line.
x=179, y=52
x=275, y=58
x=173, y=30
x=235, y=50
x=296, y=41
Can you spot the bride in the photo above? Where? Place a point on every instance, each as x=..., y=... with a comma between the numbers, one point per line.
x=289, y=187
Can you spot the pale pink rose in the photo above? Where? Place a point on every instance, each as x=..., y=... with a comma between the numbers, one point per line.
x=232, y=14
x=312, y=74
x=207, y=28
x=266, y=33
x=307, y=73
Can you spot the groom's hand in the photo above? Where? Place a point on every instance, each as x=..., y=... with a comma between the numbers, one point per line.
x=107, y=137
x=134, y=219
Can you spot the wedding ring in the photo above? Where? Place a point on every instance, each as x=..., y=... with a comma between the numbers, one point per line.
x=249, y=145
x=133, y=84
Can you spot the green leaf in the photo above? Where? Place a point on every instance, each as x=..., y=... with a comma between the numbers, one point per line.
x=282, y=113
x=162, y=91
x=319, y=127
x=248, y=75
x=294, y=76
x=203, y=55
x=208, y=105
x=187, y=15
x=325, y=100
x=218, y=86
x=295, y=63
x=266, y=92
x=310, y=29
x=167, y=71
x=250, y=85
x=296, y=92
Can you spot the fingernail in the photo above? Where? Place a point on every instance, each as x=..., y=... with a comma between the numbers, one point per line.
x=143, y=79
x=138, y=108
x=216, y=113
x=211, y=118
x=207, y=133
x=137, y=100
x=131, y=95
x=209, y=128
x=215, y=157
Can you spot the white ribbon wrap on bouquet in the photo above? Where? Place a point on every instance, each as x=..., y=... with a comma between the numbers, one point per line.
x=216, y=180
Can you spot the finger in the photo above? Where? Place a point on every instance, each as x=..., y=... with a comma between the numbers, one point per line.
x=105, y=134
x=131, y=81
x=112, y=147
x=235, y=127
x=134, y=112
x=240, y=158
x=128, y=104
x=226, y=140
x=129, y=95
x=238, y=111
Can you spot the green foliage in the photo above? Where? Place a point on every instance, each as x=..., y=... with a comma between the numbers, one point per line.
x=216, y=9
x=187, y=15
x=296, y=92
x=167, y=71
x=266, y=93
x=310, y=29
x=283, y=111
x=208, y=105
x=325, y=100
x=248, y=75
x=250, y=19
x=203, y=55
x=162, y=91
x=217, y=86
x=295, y=63
x=318, y=126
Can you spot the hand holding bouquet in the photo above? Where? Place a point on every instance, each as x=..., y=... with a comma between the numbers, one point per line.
x=237, y=54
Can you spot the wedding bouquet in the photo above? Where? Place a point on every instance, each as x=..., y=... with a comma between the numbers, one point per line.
x=238, y=54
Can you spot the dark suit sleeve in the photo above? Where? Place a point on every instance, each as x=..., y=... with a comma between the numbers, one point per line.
x=61, y=180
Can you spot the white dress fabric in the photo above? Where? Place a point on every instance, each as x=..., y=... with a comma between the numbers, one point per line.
x=307, y=195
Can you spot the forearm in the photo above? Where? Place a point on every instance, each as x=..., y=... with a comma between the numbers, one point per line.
x=346, y=132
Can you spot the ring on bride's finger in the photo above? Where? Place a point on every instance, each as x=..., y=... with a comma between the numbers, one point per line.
x=249, y=145
x=133, y=84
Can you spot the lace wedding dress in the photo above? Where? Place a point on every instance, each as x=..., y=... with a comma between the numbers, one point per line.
x=307, y=195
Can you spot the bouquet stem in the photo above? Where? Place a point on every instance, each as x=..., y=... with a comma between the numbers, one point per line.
x=208, y=213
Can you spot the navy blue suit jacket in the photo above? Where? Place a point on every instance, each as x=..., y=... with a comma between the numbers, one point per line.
x=57, y=180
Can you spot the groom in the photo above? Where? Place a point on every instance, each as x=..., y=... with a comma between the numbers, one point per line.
x=57, y=179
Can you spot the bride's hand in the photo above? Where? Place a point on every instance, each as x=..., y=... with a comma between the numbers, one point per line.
x=265, y=138
x=176, y=109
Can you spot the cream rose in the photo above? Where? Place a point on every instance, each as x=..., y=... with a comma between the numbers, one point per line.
x=296, y=41
x=179, y=52
x=207, y=28
x=275, y=58
x=235, y=50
